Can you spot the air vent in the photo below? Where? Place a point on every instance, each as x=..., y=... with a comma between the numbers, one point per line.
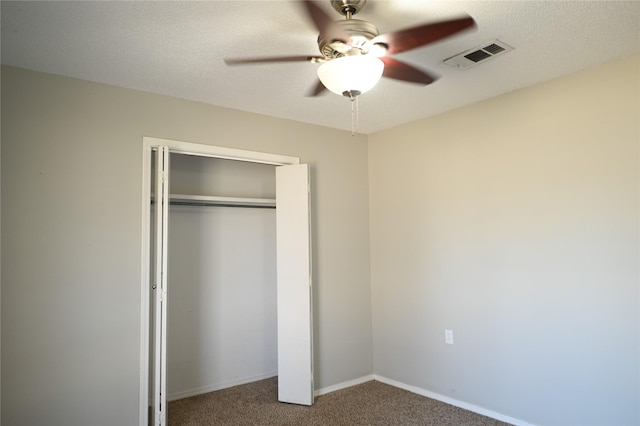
x=494, y=49
x=477, y=55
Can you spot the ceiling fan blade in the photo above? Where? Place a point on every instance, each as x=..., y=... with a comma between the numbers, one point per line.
x=324, y=23
x=405, y=72
x=320, y=19
x=275, y=59
x=403, y=40
x=317, y=89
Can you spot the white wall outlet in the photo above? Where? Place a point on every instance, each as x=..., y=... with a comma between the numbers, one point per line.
x=448, y=336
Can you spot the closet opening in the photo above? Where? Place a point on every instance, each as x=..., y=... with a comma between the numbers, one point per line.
x=226, y=286
x=222, y=318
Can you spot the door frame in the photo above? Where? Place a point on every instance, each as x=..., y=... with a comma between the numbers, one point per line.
x=179, y=147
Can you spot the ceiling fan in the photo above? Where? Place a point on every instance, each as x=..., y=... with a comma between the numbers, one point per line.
x=355, y=55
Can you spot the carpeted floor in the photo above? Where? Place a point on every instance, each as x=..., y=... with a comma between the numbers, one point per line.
x=371, y=403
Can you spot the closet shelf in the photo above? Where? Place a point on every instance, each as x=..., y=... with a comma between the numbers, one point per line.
x=205, y=200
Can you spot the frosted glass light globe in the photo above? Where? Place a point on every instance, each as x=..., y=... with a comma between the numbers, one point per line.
x=351, y=75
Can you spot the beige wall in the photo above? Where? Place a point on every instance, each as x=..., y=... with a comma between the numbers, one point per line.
x=514, y=222
x=71, y=241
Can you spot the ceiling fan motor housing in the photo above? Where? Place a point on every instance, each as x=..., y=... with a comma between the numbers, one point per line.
x=358, y=32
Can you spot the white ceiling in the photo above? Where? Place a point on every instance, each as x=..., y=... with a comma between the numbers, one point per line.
x=177, y=49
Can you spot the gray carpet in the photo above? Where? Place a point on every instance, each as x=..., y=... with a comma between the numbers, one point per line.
x=371, y=403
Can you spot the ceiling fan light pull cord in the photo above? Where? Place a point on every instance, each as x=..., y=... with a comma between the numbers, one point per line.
x=353, y=97
x=353, y=117
x=357, y=126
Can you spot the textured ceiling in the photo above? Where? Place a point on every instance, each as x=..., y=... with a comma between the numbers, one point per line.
x=177, y=49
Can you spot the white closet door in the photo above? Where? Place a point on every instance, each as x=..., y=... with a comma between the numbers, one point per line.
x=295, y=325
x=159, y=412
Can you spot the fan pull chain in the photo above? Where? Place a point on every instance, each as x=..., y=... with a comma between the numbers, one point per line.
x=354, y=114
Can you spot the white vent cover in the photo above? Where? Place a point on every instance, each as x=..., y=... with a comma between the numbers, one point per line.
x=474, y=56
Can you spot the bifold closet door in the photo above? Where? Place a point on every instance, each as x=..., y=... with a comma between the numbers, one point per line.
x=295, y=338
x=159, y=382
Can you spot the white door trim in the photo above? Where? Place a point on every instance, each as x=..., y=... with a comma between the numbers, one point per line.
x=219, y=152
x=149, y=144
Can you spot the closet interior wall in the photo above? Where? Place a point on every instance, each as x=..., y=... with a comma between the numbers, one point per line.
x=221, y=326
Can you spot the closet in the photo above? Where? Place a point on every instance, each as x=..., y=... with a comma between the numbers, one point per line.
x=227, y=288
x=221, y=322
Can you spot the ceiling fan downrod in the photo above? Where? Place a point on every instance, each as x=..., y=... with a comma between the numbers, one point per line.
x=348, y=8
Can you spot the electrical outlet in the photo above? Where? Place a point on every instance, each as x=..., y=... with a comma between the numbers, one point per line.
x=448, y=336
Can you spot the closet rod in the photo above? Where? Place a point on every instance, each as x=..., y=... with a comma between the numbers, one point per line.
x=218, y=204
x=211, y=201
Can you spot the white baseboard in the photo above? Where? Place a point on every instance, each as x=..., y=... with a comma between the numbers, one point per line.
x=452, y=401
x=217, y=386
x=344, y=385
x=223, y=385
x=354, y=382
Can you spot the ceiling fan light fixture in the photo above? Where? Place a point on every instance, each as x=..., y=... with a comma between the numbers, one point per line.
x=351, y=75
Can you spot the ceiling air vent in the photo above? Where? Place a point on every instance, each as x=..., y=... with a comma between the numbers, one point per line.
x=476, y=55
